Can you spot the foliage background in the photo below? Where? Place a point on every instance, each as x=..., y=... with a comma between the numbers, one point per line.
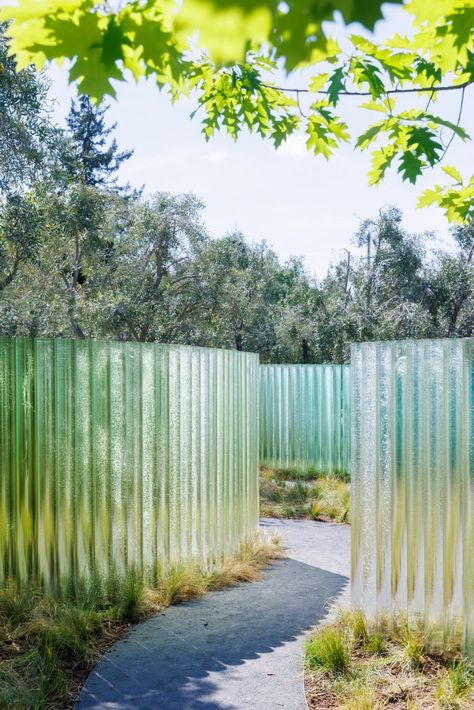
x=81, y=256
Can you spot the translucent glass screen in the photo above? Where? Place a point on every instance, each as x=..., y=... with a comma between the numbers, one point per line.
x=120, y=455
x=413, y=480
x=305, y=417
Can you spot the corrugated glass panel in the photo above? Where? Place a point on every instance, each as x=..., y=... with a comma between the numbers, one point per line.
x=123, y=455
x=413, y=481
x=305, y=417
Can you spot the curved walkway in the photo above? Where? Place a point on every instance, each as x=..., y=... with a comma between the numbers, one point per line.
x=237, y=649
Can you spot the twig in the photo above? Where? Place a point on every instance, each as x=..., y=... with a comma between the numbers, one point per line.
x=413, y=90
x=461, y=105
x=299, y=105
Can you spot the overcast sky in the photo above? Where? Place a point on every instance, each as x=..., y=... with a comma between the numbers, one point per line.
x=300, y=204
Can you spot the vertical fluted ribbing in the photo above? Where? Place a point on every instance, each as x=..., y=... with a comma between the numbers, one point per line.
x=413, y=481
x=305, y=417
x=116, y=456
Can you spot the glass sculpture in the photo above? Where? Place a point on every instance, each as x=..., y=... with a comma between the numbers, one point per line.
x=305, y=417
x=119, y=456
x=413, y=481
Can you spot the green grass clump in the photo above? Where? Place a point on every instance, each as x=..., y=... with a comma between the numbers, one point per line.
x=299, y=492
x=16, y=606
x=361, y=699
x=455, y=688
x=329, y=650
x=132, y=605
x=358, y=664
x=356, y=622
x=413, y=640
x=42, y=641
x=375, y=644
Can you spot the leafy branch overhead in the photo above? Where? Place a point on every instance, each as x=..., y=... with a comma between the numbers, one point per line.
x=225, y=53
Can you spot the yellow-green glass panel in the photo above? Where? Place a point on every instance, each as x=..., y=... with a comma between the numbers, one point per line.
x=413, y=481
x=119, y=456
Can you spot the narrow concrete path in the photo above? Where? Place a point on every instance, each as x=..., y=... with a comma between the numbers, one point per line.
x=238, y=649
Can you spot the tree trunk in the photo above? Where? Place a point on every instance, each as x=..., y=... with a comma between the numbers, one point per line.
x=76, y=328
x=453, y=318
x=305, y=350
x=9, y=277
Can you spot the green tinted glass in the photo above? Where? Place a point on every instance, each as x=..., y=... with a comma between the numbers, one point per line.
x=305, y=417
x=413, y=480
x=116, y=456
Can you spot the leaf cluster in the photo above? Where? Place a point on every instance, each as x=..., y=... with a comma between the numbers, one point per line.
x=226, y=54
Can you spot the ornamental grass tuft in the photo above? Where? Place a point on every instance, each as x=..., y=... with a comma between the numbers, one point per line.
x=329, y=650
x=355, y=663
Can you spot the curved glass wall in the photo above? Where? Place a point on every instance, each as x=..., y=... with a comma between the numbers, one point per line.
x=305, y=417
x=413, y=480
x=116, y=456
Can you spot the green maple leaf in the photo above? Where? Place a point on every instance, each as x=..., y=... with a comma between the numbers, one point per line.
x=381, y=161
x=457, y=202
x=370, y=74
x=453, y=172
x=460, y=24
x=93, y=77
x=317, y=82
x=367, y=12
x=398, y=65
x=113, y=40
x=155, y=43
x=430, y=196
x=458, y=130
x=366, y=138
x=325, y=130
x=428, y=69
x=319, y=138
x=73, y=39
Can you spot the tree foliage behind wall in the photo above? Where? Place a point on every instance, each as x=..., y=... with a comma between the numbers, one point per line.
x=145, y=269
x=81, y=256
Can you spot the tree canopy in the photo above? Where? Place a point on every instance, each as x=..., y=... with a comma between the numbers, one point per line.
x=82, y=257
x=27, y=136
x=91, y=160
x=99, y=263
x=226, y=53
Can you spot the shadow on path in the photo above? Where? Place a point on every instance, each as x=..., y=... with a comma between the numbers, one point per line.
x=230, y=650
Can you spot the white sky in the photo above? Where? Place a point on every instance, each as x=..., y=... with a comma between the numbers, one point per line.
x=298, y=203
